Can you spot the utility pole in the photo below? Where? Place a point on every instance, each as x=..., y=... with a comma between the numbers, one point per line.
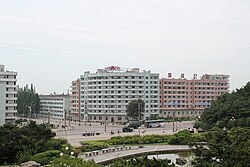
x=173, y=120
x=65, y=114
x=49, y=117
x=69, y=118
x=29, y=107
x=105, y=124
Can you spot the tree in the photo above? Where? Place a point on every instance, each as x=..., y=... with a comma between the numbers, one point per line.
x=27, y=97
x=20, y=142
x=135, y=108
x=73, y=162
x=142, y=162
x=224, y=148
x=230, y=110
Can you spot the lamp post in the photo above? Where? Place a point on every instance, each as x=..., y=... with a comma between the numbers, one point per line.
x=233, y=120
x=173, y=120
x=67, y=152
x=65, y=114
x=49, y=116
x=105, y=123
x=139, y=133
x=29, y=107
x=192, y=104
x=139, y=115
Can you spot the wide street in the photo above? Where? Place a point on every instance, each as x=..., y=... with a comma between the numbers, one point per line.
x=74, y=134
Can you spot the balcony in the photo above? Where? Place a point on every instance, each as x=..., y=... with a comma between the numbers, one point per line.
x=11, y=104
x=11, y=98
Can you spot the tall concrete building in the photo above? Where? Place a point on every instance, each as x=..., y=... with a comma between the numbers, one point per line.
x=189, y=97
x=8, y=96
x=75, y=109
x=54, y=106
x=106, y=93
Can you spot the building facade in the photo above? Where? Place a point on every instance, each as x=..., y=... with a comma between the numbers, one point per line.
x=54, y=107
x=106, y=93
x=75, y=100
x=8, y=96
x=189, y=97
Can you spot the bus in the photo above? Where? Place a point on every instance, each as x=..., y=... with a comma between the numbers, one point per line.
x=154, y=123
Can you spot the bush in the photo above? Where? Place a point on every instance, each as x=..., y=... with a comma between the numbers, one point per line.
x=68, y=161
x=46, y=157
x=181, y=138
x=55, y=144
x=86, y=147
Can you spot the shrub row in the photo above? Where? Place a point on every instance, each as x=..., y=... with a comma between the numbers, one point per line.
x=46, y=157
x=181, y=138
x=86, y=147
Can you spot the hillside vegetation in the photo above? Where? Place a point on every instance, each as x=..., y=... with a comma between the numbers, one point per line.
x=230, y=110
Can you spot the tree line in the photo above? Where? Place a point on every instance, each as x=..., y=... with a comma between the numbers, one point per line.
x=28, y=101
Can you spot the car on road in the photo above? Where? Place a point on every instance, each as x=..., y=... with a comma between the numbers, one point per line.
x=127, y=129
x=86, y=134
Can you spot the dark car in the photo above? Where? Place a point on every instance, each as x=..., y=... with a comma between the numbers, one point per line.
x=127, y=129
x=86, y=134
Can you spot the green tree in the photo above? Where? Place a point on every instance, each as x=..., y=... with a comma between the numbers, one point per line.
x=223, y=148
x=19, y=143
x=230, y=110
x=73, y=162
x=27, y=97
x=135, y=109
x=142, y=162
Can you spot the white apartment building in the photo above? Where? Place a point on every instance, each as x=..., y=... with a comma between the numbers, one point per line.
x=8, y=96
x=106, y=93
x=54, y=106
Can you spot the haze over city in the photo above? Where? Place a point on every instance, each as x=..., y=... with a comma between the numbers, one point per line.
x=51, y=43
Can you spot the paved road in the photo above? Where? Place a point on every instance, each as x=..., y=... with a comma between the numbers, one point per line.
x=74, y=136
x=107, y=157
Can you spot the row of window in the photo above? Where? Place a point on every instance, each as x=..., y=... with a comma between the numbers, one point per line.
x=180, y=112
x=121, y=77
x=186, y=106
x=196, y=83
x=102, y=118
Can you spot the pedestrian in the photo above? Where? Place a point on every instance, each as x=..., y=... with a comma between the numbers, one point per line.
x=163, y=131
x=118, y=131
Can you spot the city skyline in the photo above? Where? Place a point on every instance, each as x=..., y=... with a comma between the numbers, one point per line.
x=51, y=44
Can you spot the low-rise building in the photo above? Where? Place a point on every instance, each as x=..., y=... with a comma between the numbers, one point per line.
x=54, y=106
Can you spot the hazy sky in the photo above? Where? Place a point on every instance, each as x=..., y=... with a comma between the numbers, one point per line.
x=52, y=42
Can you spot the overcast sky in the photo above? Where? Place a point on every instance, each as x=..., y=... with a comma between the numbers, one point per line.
x=52, y=42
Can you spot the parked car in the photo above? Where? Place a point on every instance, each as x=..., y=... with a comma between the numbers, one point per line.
x=127, y=129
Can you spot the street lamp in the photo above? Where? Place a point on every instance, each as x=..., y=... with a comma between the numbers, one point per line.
x=49, y=116
x=29, y=107
x=139, y=133
x=233, y=120
x=105, y=123
x=192, y=104
x=71, y=153
x=173, y=120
